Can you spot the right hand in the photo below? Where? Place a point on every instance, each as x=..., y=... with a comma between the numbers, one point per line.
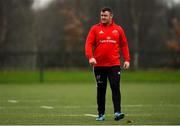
x=92, y=61
x=126, y=65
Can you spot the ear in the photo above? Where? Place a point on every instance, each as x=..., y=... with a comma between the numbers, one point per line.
x=111, y=16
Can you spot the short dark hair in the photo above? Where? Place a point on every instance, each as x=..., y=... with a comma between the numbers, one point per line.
x=107, y=9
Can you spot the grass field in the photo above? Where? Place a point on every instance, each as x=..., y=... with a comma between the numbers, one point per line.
x=69, y=100
x=66, y=76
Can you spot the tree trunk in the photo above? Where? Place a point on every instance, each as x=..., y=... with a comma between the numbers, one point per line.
x=136, y=20
x=3, y=26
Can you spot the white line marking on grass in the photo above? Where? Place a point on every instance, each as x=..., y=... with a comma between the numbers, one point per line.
x=40, y=100
x=111, y=115
x=149, y=105
x=12, y=101
x=71, y=115
x=72, y=107
x=91, y=115
x=139, y=115
x=47, y=107
x=133, y=105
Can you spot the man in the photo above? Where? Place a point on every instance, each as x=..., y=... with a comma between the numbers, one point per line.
x=104, y=42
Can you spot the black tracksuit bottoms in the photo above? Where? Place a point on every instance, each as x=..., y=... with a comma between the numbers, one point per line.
x=113, y=75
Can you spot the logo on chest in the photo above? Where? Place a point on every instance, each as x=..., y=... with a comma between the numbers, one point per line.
x=115, y=31
x=108, y=37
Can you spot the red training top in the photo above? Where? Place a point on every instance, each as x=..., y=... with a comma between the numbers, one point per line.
x=104, y=43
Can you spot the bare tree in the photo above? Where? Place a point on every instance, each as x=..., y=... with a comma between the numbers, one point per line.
x=3, y=22
x=173, y=44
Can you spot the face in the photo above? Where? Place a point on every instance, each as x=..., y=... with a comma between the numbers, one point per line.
x=106, y=17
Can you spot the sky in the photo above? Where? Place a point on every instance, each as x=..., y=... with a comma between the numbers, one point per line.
x=176, y=1
x=42, y=4
x=171, y=3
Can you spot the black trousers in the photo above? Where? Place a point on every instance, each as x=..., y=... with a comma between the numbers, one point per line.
x=113, y=75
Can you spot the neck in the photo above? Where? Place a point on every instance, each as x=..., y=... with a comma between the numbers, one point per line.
x=110, y=22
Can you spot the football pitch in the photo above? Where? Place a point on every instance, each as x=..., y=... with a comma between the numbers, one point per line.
x=74, y=103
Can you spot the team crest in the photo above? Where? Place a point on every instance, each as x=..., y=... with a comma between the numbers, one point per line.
x=115, y=31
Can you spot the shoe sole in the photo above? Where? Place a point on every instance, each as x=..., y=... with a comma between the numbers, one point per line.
x=100, y=119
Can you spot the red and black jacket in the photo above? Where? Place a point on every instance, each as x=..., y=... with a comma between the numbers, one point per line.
x=105, y=43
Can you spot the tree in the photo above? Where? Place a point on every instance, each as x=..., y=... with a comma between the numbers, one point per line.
x=15, y=33
x=3, y=23
x=143, y=22
x=173, y=43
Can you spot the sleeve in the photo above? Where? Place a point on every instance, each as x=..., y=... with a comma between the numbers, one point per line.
x=90, y=43
x=124, y=46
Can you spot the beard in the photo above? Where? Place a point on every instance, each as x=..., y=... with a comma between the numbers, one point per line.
x=105, y=22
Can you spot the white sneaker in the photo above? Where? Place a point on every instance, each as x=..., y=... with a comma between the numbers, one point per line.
x=118, y=116
x=101, y=117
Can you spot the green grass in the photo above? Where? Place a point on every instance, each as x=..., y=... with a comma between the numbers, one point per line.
x=148, y=97
x=86, y=76
x=143, y=103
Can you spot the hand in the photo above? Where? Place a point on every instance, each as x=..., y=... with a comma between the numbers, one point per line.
x=92, y=61
x=126, y=65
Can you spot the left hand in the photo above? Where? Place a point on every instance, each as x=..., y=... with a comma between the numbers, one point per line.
x=126, y=65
